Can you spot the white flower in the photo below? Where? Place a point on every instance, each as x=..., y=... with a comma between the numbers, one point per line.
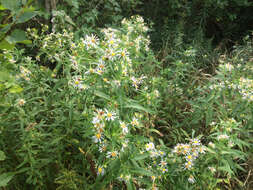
x=135, y=122
x=99, y=71
x=21, y=102
x=212, y=169
x=112, y=154
x=211, y=144
x=139, y=19
x=124, y=127
x=230, y=144
x=163, y=163
x=102, y=148
x=223, y=136
x=90, y=41
x=150, y=146
x=156, y=93
x=161, y=153
x=164, y=170
x=76, y=82
x=195, y=142
x=123, y=54
x=101, y=64
x=110, y=116
x=202, y=149
x=116, y=83
x=111, y=55
x=124, y=145
x=188, y=165
x=97, y=138
x=95, y=120
x=191, y=179
x=127, y=177
x=100, y=171
x=100, y=114
x=189, y=157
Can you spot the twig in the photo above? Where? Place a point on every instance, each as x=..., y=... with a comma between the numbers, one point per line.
x=247, y=178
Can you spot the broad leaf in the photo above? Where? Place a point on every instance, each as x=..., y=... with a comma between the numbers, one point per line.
x=17, y=36
x=13, y=5
x=6, y=45
x=15, y=89
x=2, y=156
x=5, y=178
x=27, y=15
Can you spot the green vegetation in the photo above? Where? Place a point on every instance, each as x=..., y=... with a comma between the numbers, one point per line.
x=95, y=96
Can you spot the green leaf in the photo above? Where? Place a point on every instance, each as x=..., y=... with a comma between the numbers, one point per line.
x=141, y=156
x=137, y=107
x=17, y=36
x=2, y=156
x=5, y=178
x=102, y=95
x=5, y=76
x=15, y=89
x=156, y=131
x=142, y=171
x=2, y=8
x=27, y=15
x=6, y=27
x=13, y=5
x=130, y=185
x=6, y=45
x=73, y=3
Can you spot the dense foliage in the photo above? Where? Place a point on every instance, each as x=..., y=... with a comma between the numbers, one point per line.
x=93, y=97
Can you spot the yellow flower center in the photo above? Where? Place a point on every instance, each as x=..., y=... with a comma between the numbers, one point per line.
x=100, y=170
x=98, y=136
x=114, y=154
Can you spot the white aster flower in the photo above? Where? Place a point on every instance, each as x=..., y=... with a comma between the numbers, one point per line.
x=112, y=154
x=100, y=171
x=212, y=169
x=124, y=127
x=195, y=142
x=97, y=138
x=191, y=179
x=21, y=102
x=110, y=116
x=164, y=170
x=150, y=146
x=222, y=137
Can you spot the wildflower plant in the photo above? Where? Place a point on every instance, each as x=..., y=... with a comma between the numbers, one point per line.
x=89, y=102
x=92, y=115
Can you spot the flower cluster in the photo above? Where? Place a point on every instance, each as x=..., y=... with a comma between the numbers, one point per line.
x=245, y=87
x=159, y=159
x=24, y=73
x=77, y=82
x=190, y=152
x=228, y=67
